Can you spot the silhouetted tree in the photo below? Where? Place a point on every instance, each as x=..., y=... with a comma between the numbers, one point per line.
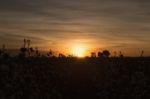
x=93, y=54
x=23, y=50
x=100, y=54
x=106, y=53
x=61, y=55
x=28, y=47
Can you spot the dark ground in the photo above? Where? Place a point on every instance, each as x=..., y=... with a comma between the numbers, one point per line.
x=70, y=78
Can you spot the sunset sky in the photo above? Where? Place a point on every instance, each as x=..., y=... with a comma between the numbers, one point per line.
x=62, y=24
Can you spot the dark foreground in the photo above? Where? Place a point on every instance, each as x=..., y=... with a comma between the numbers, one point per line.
x=70, y=78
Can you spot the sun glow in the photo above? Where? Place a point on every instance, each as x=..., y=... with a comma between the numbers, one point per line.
x=79, y=50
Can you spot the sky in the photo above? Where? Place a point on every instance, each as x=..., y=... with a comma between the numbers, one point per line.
x=116, y=25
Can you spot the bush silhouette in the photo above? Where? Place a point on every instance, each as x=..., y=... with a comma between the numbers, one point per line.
x=93, y=54
x=22, y=52
x=106, y=53
x=61, y=55
x=100, y=54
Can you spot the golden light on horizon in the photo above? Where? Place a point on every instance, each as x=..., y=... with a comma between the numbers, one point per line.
x=79, y=50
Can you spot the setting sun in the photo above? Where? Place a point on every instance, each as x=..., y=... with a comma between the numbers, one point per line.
x=79, y=50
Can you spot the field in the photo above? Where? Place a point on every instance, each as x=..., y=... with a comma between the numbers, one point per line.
x=74, y=78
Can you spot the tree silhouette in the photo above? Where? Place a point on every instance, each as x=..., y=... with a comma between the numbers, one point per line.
x=28, y=46
x=106, y=53
x=23, y=49
x=93, y=54
x=61, y=55
x=100, y=54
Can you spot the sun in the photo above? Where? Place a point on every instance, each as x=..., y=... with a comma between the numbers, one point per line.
x=79, y=50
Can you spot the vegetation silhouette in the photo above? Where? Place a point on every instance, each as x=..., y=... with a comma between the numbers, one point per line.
x=50, y=53
x=121, y=55
x=93, y=54
x=31, y=75
x=142, y=52
x=106, y=53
